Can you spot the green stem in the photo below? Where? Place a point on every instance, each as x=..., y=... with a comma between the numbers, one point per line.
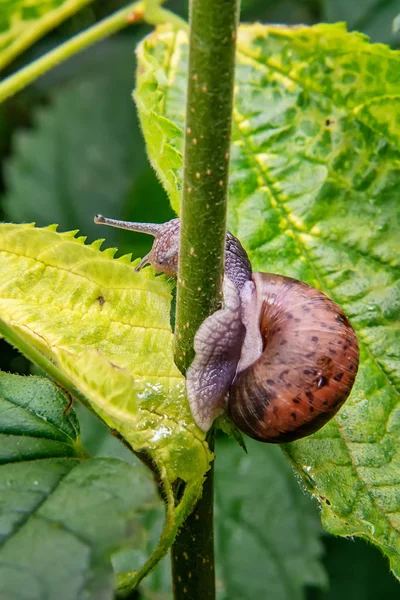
x=206, y=168
x=34, y=32
x=192, y=555
x=213, y=25
x=102, y=30
x=175, y=516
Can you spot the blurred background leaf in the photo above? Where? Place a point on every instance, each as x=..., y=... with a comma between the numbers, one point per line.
x=98, y=138
x=22, y=22
x=373, y=17
x=64, y=515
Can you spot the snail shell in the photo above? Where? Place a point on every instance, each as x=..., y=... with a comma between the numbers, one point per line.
x=280, y=356
x=307, y=367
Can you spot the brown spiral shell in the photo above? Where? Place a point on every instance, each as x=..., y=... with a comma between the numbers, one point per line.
x=307, y=368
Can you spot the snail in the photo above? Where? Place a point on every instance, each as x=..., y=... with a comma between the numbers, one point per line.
x=280, y=356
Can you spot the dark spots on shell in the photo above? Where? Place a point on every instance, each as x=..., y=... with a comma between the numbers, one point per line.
x=311, y=409
x=338, y=377
x=314, y=339
x=101, y=300
x=289, y=315
x=296, y=400
x=297, y=320
x=341, y=318
x=332, y=351
x=309, y=372
x=306, y=309
x=323, y=325
x=275, y=410
x=349, y=340
x=270, y=382
x=322, y=382
x=325, y=362
x=333, y=329
x=293, y=415
x=325, y=403
x=310, y=396
x=310, y=355
x=351, y=368
x=283, y=373
x=283, y=342
x=345, y=347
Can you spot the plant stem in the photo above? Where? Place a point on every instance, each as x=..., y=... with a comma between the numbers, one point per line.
x=192, y=554
x=208, y=125
x=14, y=83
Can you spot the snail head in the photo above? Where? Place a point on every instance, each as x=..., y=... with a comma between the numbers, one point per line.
x=163, y=256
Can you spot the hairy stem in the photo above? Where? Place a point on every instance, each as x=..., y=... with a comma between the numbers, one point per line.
x=213, y=25
x=192, y=554
x=134, y=12
x=208, y=126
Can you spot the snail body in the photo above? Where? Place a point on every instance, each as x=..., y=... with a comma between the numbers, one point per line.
x=280, y=356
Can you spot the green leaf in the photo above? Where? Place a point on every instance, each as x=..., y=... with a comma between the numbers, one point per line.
x=107, y=329
x=315, y=170
x=62, y=516
x=32, y=421
x=22, y=23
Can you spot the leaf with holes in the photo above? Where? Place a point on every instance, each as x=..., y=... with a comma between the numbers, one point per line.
x=315, y=174
x=22, y=22
x=61, y=516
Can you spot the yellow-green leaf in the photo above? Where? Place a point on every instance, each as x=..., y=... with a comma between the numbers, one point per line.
x=107, y=328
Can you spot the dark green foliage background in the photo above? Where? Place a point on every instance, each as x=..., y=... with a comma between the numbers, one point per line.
x=92, y=159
